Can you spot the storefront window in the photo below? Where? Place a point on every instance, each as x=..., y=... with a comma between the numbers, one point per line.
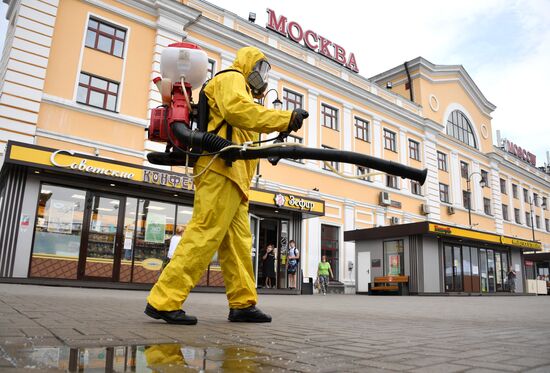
x=155, y=226
x=394, y=258
x=491, y=270
x=483, y=270
x=58, y=232
x=129, y=237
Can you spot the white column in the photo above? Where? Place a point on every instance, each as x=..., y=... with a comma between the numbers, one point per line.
x=403, y=156
x=476, y=188
x=496, y=197
x=312, y=125
x=380, y=217
x=377, y=145
x=314, y=246
x=349, y=247
x=522, y=204
x=226, y=60
x=456, y=186
x=432, y=181
x=23, y=67
x=347, y=132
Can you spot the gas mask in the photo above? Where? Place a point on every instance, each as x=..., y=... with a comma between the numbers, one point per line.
x=257, y=79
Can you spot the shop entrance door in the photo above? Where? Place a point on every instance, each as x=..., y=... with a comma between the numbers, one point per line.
x=453, y=269
x=102, y=241
x=268, y=235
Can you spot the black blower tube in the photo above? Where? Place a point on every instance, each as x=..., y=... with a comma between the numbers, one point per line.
x=212, y=143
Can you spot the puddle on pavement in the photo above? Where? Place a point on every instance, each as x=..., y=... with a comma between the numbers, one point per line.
x=148, y=358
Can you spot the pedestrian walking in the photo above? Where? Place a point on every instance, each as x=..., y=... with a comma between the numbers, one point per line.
x=220, y=219
x=511, y=278
x=292, y=266
x=323, y=272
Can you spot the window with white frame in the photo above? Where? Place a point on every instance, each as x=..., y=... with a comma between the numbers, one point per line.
x=335, y=165
x=390, y=141
x=414, y=150
x=105, y=37
x=292, y=100
x=329, y=116
x=416, y=188
x=97, y=92
x=361, y=129
x=442, y=161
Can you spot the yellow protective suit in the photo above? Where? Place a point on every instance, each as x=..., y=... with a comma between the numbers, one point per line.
x=220, y=212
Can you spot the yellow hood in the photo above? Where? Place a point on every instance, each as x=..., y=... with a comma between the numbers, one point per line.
x=246, y=58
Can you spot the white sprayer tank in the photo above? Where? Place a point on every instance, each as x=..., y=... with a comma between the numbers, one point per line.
x=185, y=60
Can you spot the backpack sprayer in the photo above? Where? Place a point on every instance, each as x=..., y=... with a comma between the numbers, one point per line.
x=182, y=125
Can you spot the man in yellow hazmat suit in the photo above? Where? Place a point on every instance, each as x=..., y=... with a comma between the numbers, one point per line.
x=220, y=212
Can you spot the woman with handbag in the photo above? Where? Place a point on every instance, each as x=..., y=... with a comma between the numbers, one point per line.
x=323, y=271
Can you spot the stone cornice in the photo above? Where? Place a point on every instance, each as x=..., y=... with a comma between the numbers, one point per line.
x=430, y=71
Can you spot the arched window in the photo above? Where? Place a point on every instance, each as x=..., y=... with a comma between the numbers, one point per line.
x=459, y=127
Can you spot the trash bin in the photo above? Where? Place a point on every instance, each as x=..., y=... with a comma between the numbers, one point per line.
x=307, y=287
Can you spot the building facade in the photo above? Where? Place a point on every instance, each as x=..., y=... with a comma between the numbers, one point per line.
x=80, y=201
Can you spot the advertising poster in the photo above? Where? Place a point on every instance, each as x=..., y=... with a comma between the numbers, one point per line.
x=60, y=216
x=155, y=227
x=394, y=265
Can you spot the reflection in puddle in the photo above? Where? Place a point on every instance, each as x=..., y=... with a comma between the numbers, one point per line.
x=153, y=358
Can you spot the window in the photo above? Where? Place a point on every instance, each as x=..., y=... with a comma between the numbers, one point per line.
x=333, y=164
x=295, y=140
x=394, y=258
x=362, y=171
x=515, y=191
x=544, y=203
x=391, y=182
x=416, y=188
x=525, y=195
x=97, y=92
x=292, y=100
x=459, y=127
x=547, y=223
x=442, y=161
x=389, y=140
x=487, y=206
x=330, y=116
x=466, y=199
x=414, y=150
x=517, y=216
x=464, y=172
x=485, y=177
x=537, y=221
x=536, y=199
x=528, y=219
x=105, y=37
x=361, y=129
x=211, y=68
x=503, y=186
x=443, y=192
x=505, y=212
x=330, y=246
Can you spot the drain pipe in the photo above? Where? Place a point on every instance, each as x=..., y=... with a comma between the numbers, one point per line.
x=410, y=81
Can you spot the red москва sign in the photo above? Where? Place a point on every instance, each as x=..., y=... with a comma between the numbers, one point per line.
x=311, y=40
x=519, y=152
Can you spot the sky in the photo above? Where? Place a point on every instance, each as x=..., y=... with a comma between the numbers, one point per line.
x=504, y=45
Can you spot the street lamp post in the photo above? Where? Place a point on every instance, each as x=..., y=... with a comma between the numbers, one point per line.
x=482, y=183
x=531, y=200
x=277, y=104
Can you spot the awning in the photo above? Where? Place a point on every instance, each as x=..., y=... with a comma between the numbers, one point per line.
x=439, y=230
x=69, y=162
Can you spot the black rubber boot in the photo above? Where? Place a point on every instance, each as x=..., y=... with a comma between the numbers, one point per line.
x=250, y=314
x=171, y=317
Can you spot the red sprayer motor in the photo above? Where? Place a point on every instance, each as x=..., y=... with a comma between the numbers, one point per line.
x=183, y=67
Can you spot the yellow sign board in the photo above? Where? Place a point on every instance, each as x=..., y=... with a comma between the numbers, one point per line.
x=521, y=243
x=446, y=230
x=289, y=201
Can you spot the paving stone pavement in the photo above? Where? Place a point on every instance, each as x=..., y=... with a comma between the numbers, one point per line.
x=336, y=333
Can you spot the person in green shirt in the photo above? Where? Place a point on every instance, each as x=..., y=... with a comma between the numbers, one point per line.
x=323, y=271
